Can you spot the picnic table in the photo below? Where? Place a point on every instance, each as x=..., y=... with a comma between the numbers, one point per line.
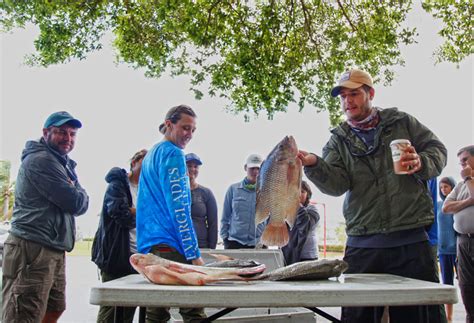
x=347, y=290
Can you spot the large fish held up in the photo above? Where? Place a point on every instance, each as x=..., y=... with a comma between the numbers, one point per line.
x=278, y=192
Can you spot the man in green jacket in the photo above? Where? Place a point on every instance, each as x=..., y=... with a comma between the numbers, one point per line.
x=385, y=213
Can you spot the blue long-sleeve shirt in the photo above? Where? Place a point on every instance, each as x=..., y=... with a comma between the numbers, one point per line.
x=164, y=202
x=238, y=216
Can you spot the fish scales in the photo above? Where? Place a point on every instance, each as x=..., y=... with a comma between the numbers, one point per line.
x=307, y=270
x=278, y=191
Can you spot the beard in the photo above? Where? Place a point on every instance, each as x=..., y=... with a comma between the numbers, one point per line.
x=56, y=146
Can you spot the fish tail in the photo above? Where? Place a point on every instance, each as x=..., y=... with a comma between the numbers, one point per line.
x=275, y=234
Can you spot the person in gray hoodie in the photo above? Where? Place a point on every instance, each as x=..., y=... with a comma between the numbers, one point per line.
x=48, y=197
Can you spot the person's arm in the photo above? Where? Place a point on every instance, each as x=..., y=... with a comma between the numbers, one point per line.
x=177, y=193
x=327, y=173
x=433, y=188
x=429, y=153
x=456, y=206
x=211, y=207
x=51, y=180
x=452, y=205
x=226, y=214
x=470, y=187
x=313, y=212
x=198, y=262
x=117, y=205
x=467, y=174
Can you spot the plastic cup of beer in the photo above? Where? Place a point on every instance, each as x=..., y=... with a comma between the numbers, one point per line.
x=398, y=147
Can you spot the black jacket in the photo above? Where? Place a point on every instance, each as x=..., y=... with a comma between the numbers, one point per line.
x=111, y=246
x=306, y=220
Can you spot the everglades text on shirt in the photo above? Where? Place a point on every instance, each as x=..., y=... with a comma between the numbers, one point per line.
x=179, y=192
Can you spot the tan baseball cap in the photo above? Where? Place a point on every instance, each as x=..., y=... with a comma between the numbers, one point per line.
x=352, y=79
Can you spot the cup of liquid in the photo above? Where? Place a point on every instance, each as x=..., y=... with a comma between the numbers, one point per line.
x=398, y=147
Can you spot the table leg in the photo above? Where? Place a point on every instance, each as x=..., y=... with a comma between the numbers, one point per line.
x=218, y=314
x=142, y=315
x=424, y=313
x=118, y=314
x=323, y=314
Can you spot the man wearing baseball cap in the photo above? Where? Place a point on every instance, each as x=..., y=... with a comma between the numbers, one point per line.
x=386, y=214
x=238, y=230
x=48, y=197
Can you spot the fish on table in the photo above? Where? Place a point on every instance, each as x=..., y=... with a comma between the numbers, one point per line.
x=161, y=271
x=307, y=270
x=166, y=272
x=278, y=192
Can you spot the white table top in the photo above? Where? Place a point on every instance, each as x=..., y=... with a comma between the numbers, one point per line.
x=348, y=290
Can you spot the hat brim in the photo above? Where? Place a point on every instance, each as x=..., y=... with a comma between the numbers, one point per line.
x=72, y=122
x=347, y=84
x=252, y=165
x=197, y=162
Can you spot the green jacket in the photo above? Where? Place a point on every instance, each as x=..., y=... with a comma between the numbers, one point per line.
x=377, y=200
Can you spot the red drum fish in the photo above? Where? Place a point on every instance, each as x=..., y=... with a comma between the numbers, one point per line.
x=166, y=272
x=278, y=192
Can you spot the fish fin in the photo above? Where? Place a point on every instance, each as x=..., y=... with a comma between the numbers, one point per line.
x=260, y=216
x=275, y=234
x=292, y=211
x=261, y=213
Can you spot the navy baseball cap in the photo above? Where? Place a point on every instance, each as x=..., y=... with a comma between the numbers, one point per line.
x=57, y=119
x=194, y=158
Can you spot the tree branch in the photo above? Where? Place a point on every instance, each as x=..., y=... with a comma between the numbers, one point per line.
x=209, y=12
x=354, y=29
x=307, y=21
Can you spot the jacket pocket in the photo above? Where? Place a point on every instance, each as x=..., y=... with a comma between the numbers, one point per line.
x=241, y=208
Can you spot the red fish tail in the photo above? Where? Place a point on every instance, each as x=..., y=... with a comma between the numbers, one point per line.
x=275, y=234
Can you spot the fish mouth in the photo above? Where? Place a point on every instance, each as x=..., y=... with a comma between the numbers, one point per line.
x=289, y=144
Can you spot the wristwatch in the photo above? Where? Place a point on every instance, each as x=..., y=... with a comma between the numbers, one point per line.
x=467, y=179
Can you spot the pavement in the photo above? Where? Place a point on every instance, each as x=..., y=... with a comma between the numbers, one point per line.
x=81, y=274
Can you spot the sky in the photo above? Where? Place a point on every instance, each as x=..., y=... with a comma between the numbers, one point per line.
x=121, y=109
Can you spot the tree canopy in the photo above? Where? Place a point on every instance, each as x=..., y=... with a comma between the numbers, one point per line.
x=260, y=55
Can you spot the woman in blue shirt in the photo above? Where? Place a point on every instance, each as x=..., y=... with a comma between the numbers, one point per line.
x=446, y=239
x=164, y=224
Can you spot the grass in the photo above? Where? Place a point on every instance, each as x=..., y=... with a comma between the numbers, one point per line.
x=81, y=248
x=331, y=254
